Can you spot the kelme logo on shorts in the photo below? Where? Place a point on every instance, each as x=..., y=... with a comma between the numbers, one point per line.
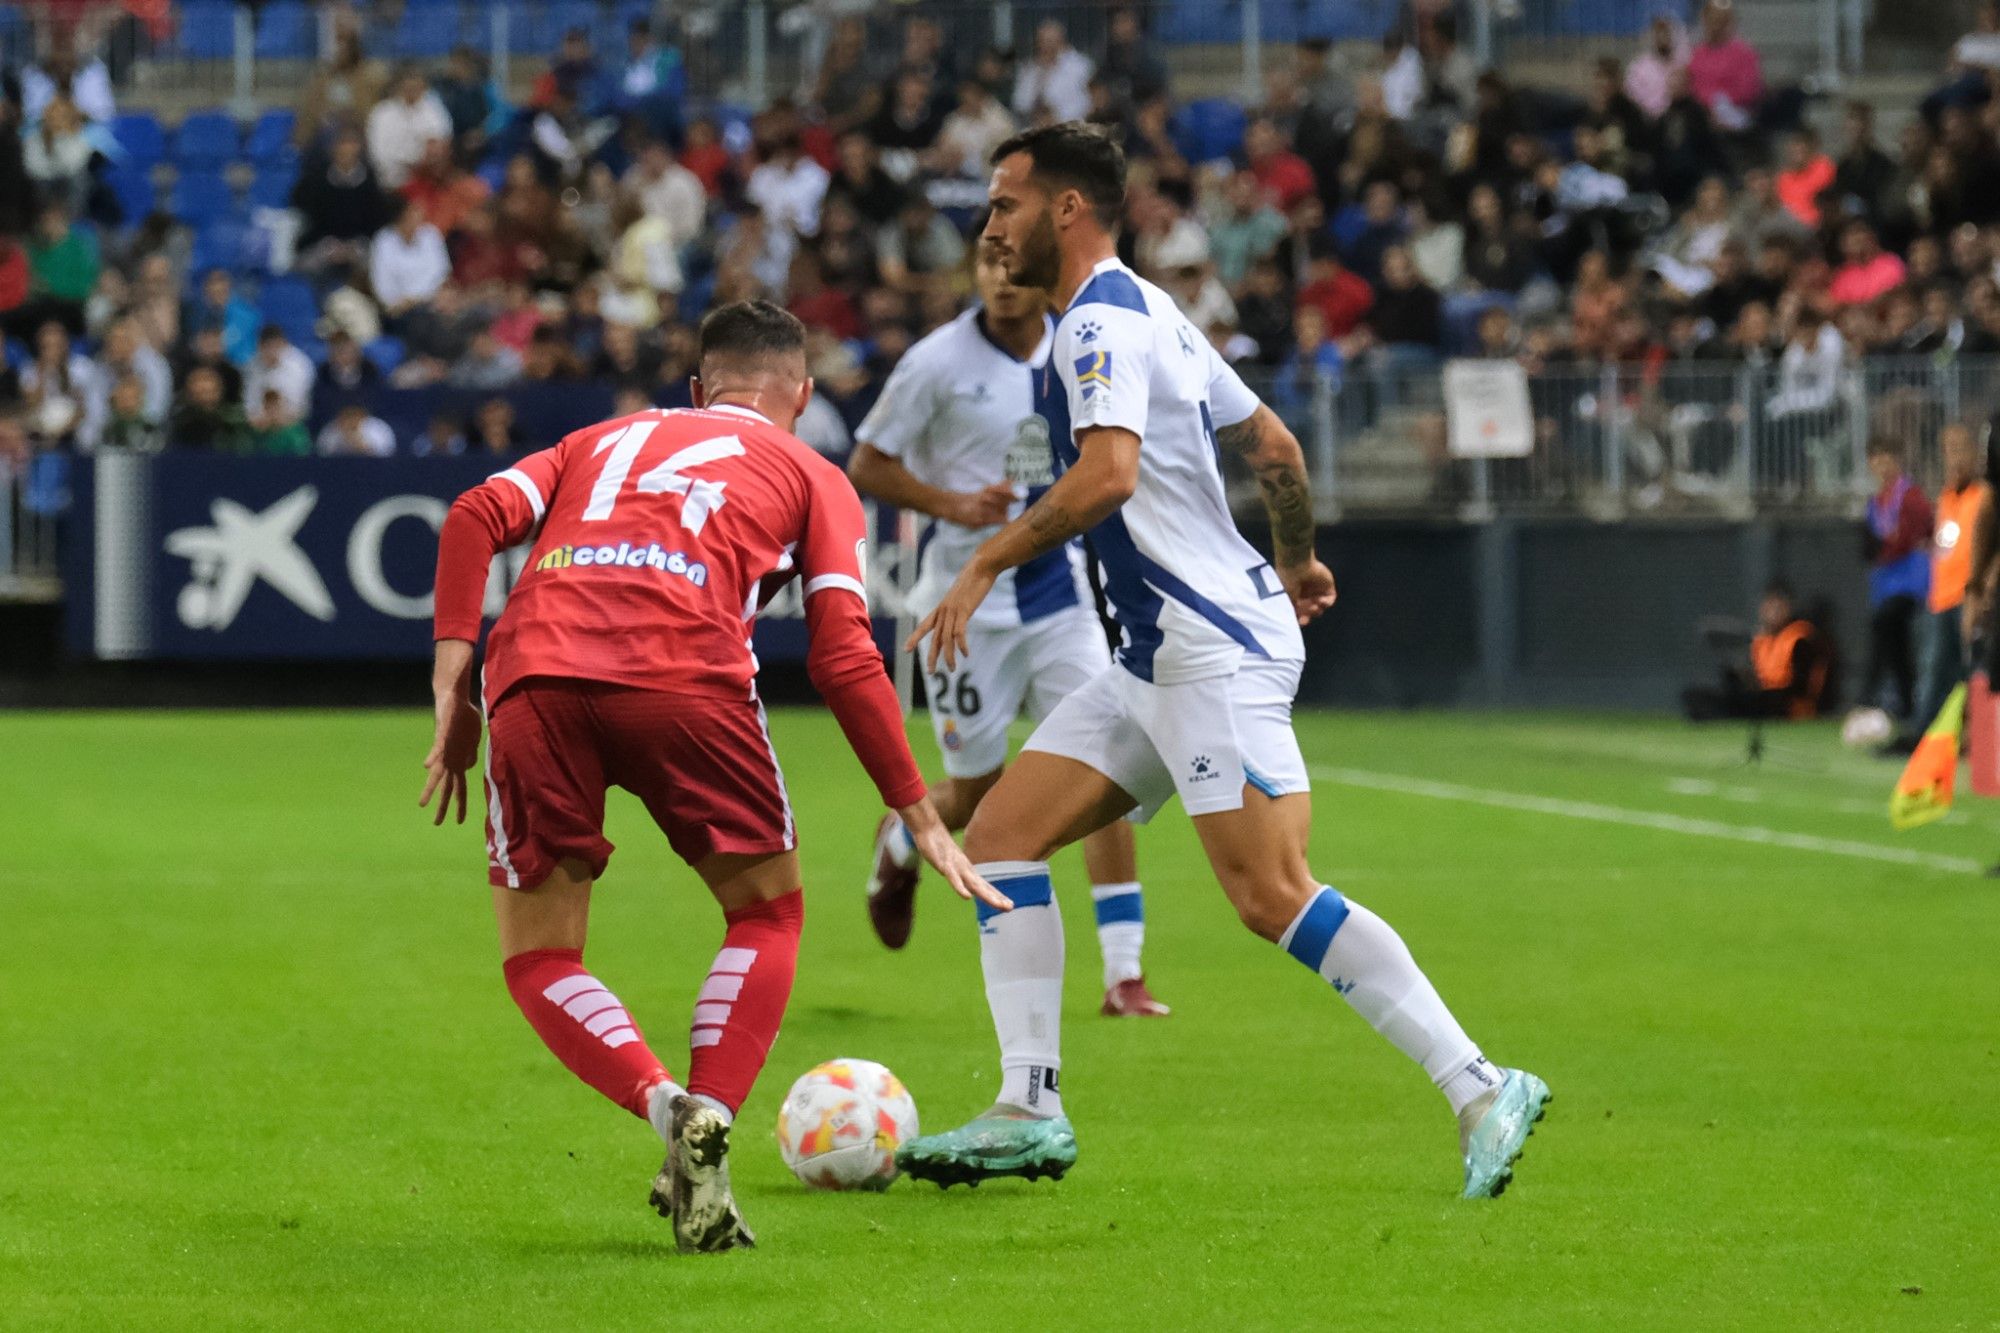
x=627, y=556
x=1204, y=768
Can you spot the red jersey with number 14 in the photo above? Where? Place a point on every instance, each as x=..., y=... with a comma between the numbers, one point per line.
x=656, y=536
x=653, y=534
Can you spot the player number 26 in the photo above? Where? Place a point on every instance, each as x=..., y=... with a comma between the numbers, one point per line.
x=699, y=498
x=962, y=699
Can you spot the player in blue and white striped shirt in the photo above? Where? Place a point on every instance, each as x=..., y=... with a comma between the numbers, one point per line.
x=1199, y=702
x=955, y=436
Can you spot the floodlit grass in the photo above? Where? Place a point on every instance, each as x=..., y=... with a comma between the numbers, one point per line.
x=260, y=1070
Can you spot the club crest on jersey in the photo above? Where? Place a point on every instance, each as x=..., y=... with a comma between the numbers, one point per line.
x=627, y=556
x=1093, y=372
x=1030, y=459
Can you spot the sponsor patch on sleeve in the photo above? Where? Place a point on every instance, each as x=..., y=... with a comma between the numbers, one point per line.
x=1093, y=372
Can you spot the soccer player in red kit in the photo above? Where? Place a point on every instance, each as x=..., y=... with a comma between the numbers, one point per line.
x=623, y=658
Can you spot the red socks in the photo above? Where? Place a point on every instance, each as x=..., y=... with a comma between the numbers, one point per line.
x=737, y=1014
x=585, y=1025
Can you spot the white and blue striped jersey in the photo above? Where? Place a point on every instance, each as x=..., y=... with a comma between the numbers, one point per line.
x=959, y=413
x=1192, y=597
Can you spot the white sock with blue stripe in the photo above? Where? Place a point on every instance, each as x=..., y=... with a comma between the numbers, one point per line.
x=1021, y=953
x=1367, y=962
x=902, y=848
x=1121, y=930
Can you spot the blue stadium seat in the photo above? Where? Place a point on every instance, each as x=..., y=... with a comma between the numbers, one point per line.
x=142, y=138
x=286, y=30
x=291, y=304
x=1347, y=20
x=272, y=186
x=537, y=29
x=207, y=141
x=1201, y=21
x=1209, y=128
x=207, y=30
x=427, y=32
x=270, y=139
x=228, y=244
x=48, y=492
x=1596, y=18
x=201, y=198
x=132, y=186
x=387, y=353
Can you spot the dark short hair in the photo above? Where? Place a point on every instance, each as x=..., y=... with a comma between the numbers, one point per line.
x=1884, y=443
x=1778, y=588
x=749, y=330
x=1074, y=156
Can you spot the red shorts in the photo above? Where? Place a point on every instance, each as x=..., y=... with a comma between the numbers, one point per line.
x=703, y=766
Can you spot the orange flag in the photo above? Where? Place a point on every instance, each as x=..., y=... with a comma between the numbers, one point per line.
x=1923, y=793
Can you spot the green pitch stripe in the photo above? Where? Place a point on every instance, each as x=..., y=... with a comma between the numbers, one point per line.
x=1652, y=819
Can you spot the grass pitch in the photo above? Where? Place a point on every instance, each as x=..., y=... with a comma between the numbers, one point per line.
x=260, y=1070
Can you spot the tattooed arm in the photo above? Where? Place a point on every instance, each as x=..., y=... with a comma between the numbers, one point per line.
x=1273, y=454
x=1103, y=477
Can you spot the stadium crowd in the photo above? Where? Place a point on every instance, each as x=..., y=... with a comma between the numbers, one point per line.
x=1368, y=218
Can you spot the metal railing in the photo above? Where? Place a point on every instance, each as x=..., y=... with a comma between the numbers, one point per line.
x=1692, y=438
x=34, y=492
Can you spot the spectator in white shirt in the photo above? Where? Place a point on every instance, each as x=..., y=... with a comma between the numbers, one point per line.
x=87, y=83
x=566, y=135
x=279, y=365
x=970, y=133
x=353, y=432
x=1057, y=77
x=125, y=354
x=669, y=191
x=407, y=263
x=401, y=125
x=789, y=187
x=1809, y=368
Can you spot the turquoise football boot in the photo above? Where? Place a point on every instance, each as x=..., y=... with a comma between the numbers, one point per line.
x=999, y=1143
x=1501, y=1131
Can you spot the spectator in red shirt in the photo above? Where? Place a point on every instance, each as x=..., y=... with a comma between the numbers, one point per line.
x=705, y=156
x=442, y=189
x=1341, y=297
x=1867, y=271
x=1724, y=71
x=1807, y=175
x=13, y=275
x=817, y=305
x=1283, y=175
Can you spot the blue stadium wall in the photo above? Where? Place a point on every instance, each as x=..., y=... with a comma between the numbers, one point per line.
x=188, y=559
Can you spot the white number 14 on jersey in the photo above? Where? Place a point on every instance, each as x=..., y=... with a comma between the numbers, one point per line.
x=699, y=498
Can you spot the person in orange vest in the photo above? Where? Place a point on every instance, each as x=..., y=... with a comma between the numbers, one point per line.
x=1789, y=669
x=1959, y=501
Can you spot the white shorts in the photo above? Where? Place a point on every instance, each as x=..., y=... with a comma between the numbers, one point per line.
x=1205, y=739
x=1005, y=670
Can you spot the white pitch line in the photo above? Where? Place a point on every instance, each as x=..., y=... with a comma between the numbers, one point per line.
x=1652, y=819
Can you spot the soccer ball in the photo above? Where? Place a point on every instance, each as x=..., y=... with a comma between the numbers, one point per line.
x=1866, y=728
x=841, y=1124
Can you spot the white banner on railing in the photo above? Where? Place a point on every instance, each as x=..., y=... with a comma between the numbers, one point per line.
x=1486, y=408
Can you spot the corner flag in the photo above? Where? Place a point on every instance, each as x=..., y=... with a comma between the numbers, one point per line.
x=1923, y=793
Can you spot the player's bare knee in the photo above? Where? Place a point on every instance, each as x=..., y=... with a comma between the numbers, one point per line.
x=963, y=796
x=992, y=836
x=1268, y=899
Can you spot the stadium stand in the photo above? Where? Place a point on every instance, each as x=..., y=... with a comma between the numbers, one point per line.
x=1651, y=241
